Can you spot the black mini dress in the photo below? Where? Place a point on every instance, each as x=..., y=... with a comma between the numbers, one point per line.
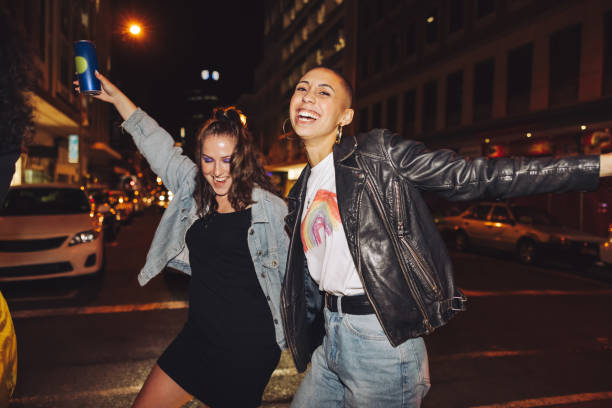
x=227, y=351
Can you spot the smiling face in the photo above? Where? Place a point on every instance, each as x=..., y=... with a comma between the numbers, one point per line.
x=216, y=160
x=319, y=104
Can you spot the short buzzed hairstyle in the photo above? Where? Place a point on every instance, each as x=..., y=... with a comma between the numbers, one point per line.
x=345, y=83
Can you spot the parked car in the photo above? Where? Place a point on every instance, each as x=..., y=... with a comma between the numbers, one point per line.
x=529, y=232
x=108, y=215
x=605, y=250
x=48, y=231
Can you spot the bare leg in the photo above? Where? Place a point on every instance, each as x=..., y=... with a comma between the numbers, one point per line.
x=159, y=390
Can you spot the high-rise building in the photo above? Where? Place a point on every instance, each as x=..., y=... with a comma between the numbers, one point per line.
x=70, y=143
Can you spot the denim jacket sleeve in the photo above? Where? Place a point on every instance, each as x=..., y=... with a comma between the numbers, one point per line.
x=459, y=178
x=157, y=146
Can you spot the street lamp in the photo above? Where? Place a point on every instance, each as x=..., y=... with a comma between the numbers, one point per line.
x=135, y=29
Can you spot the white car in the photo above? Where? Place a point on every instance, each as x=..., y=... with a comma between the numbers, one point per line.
x=48, y=231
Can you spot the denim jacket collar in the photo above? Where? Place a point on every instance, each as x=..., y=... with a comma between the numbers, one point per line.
x=258, y=212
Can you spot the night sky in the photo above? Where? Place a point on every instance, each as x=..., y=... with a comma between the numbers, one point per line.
x=181, y=38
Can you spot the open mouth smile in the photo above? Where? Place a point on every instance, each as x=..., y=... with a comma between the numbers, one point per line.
x=306, y=116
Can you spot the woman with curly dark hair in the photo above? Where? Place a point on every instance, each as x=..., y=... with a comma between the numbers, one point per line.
x=15, y=109
x=225, y=228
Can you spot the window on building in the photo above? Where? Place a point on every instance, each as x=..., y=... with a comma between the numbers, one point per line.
x=455, y=22
x=454, y=98
x=430, y=106
x=363, y=120
x=66, y=65
x=377, y=115
x=484, y=8
x=565, y=65
x=34, y=11
x=410, y=38
x=65, y=17
x=364, y=67
x=607, y=74
x=484, y=75
x=520, y=65
x=393, y=49
x=409, y=112
x=364, y=18
x=392, y=113
x=380, y=10
x=378, y=59
x=431, y=26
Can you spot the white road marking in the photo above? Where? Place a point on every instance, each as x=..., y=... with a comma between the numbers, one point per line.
x=69, y=311
x=112, y=392
x=549, y=401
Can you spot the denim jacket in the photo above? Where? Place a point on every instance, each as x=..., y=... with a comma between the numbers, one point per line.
x=267, y=239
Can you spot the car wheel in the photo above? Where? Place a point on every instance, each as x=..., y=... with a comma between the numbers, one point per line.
x=461, y=241
x=526, y=251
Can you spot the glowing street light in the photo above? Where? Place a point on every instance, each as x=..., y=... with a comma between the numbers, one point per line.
x=135, y=29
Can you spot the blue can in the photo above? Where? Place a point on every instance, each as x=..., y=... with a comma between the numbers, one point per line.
x=86, y=63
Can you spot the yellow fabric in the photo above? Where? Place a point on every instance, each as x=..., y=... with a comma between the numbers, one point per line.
x=8, y=354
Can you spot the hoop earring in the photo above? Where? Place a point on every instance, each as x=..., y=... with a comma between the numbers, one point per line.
x=289, y=135
x=285, y=125
x=339, y=134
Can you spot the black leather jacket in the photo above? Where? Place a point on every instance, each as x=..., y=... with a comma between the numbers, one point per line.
x=399, y=255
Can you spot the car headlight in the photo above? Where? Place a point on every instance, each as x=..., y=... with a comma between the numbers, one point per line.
x=84, y=237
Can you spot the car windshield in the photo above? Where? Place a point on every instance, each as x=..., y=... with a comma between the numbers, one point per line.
x=528, y=215
x=44, y=201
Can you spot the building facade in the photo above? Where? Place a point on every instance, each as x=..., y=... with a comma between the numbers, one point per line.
x=71, y=139
x=482, y=77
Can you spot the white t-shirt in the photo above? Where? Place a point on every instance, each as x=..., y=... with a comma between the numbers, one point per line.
x=323, y=238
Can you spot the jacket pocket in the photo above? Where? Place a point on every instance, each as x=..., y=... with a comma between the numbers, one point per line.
x=422, y=272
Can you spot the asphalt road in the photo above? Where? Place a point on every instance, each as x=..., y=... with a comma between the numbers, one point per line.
x=532, y=336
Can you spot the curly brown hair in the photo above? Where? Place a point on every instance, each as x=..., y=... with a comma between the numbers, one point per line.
x=245, y=167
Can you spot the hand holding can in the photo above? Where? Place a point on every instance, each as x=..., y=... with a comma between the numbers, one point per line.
x=86, y=63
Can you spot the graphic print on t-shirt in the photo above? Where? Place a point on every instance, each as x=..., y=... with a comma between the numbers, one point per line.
x=321, y=219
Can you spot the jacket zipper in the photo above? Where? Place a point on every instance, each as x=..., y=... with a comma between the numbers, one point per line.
x=423, y=270
x=415, y=294
x=359, y=274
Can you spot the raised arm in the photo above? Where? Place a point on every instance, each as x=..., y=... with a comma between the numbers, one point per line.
x=155, y=144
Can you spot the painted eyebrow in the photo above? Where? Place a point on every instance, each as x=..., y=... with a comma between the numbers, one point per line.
x=322, y=85
x=223, y=157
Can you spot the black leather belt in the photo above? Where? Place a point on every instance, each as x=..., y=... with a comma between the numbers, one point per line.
x=357, y=305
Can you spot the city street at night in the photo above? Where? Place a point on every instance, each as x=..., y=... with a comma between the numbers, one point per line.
x=532, y=336
x=186, y=187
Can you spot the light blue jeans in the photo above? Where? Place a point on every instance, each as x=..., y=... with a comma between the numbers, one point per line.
x=356, y=366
